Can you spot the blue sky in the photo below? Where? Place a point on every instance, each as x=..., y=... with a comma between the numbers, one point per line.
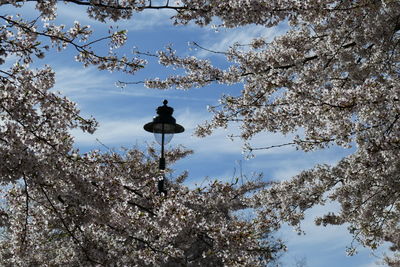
x=122, y=112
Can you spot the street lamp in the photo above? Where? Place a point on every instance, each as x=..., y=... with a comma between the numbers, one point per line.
x=164, y=127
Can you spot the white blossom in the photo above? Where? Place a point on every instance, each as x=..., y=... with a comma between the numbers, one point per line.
x=334, y=74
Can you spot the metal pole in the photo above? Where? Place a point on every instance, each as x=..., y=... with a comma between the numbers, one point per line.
x=162, y=164
x=162, y=142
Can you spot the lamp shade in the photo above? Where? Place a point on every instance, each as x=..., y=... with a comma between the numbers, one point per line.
x=164, y=123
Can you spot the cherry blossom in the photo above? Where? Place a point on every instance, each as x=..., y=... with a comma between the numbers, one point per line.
x=333, y=77
x=61, y=207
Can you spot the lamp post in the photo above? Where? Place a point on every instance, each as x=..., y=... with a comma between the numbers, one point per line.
x=164, y=127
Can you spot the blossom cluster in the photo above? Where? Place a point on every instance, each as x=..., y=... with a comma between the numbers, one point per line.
x=61, y=207
x=333, y=76
x=104, y=210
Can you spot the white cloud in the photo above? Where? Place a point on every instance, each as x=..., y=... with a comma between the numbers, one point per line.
x=79, y=80
x=68, y=13
x=225, y=38
x=127, y=128
x=147, y=19
x=124, y=130
x=288, y=166
x=113, y=133
x=220, y=142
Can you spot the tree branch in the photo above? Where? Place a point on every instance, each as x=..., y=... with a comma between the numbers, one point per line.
x=76, y=240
